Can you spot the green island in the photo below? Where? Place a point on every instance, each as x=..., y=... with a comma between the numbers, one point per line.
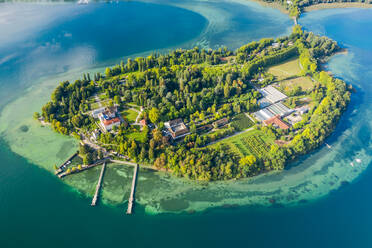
x=205, y=115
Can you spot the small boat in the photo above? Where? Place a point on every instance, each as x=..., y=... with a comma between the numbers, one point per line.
x=358, y=160
x=329, y=146
x=352, y=164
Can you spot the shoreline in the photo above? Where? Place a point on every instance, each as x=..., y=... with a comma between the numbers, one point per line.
x=192, y=204
x=336, y=6
x=274, y=5
x=315, y=7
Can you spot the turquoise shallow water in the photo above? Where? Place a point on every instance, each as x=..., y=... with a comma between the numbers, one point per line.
x=37, y=210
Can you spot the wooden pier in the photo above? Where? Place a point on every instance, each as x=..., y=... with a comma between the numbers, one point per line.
x=83, y=168
x=131, y=197
x=98, y=187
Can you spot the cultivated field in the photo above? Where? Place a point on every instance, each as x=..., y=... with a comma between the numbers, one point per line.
x=254, y=142
x=241, y=122
x=287, y=69
x=304, y=82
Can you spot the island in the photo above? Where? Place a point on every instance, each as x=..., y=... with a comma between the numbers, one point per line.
x=202, y=114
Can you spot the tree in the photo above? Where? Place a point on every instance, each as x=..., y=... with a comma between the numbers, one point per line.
x=117, y=99
x=100, y=154
x=157, y=135
x=154, y=115
x=248, y=160
x=88, y=158
x=108, y=72
x=143, y=153
x=36, y=115
x=84, y=149
x=160, y=162
x=133, y=150
x=226, y=91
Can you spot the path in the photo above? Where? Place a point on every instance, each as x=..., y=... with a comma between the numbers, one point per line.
x=235, y=134
x=133, y=189
x=98, y=100
x=132, y=164
x=246, y=114
x=98, y=187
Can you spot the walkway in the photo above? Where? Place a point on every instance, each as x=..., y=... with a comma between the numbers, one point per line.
x=132, y=164
x=131, y=197
x=98, y=187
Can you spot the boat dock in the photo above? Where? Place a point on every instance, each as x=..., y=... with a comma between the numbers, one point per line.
x=83, y=168
x=131, y=197
x=98, y=187
x=61, y=167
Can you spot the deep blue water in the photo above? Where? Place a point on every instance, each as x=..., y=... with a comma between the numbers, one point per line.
x=37, y=210
x=45, y=39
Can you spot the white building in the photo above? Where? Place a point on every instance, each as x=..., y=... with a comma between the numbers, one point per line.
x=272, y=95
x=98, y=111
x=109, y=119
x=277, y=109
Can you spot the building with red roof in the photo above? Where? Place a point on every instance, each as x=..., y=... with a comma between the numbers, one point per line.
x=277, y=121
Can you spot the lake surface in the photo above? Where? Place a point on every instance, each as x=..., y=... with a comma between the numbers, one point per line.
x=52, y=42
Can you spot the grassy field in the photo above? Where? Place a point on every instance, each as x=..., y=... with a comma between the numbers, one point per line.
x=241, y=122
x=131, y=115
x=287, y=69
x=136, y=134
x=254, y=142
x=305, y=83
x=96, y=105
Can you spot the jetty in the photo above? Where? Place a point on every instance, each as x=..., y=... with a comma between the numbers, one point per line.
x=83, y=168
x=131, y=197
x=67, y=161
x=98, y=187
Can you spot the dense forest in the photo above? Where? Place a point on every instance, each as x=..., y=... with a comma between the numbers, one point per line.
x=201, y=86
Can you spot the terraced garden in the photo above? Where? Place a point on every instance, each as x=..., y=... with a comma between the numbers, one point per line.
x=254, y=142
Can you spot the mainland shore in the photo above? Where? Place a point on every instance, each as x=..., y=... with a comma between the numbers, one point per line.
x=337, y=6
x=320, y=6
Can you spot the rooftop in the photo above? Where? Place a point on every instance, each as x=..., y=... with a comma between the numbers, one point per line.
x=277, y=121
x=272, y=95
x=111, y=121
x=275, y=109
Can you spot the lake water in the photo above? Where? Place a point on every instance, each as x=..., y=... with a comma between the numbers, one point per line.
x=328, y=201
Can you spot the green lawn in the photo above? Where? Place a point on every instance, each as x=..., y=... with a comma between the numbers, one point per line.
x=305, y=83
x=138, y=136
x=241, y=122
x=287, y=69
x=94, y=105
x=133, y=105
x=131, y=115
x=254, y=142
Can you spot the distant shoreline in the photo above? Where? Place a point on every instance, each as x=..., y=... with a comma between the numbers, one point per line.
x=275, y=5
x=336, y=6
x=314, y=7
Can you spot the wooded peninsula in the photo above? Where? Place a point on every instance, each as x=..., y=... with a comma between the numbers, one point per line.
x=206, y=114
